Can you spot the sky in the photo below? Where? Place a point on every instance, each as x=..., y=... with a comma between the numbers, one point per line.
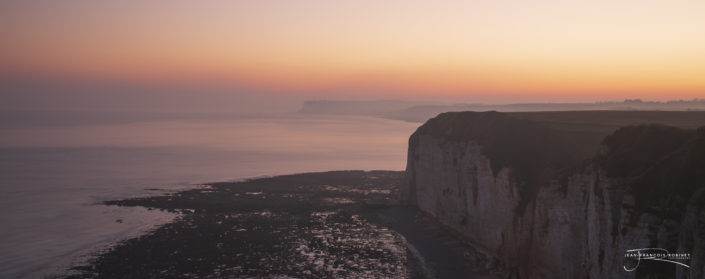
x=125, y=52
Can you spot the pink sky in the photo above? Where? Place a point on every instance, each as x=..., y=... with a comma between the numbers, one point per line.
x=491, y=51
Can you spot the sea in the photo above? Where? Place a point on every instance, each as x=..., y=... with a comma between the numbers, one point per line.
x=56, y=167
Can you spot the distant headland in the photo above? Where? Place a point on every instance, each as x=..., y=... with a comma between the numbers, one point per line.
x=418, y=111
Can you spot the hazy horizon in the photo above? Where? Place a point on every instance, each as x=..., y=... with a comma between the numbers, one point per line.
x=106, y=100
x=272, y=55
x=59, y=95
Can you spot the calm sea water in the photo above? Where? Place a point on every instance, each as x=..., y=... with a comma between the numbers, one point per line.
x=56, y=167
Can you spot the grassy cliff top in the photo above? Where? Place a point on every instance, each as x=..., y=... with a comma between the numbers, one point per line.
x=535, y=145
x=607, y=121
x=659, y=162
x=531, y=149
x=515, y=140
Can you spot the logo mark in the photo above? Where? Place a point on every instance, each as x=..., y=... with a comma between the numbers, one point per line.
x=655, y=254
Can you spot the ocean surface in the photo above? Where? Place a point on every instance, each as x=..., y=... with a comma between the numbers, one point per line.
x=56, y=168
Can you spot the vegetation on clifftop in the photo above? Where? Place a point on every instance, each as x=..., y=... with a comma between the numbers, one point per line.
x=655, y=159
x=529, y=148
x=660, y=163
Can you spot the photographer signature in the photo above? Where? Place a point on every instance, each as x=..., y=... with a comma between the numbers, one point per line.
x=653, y=254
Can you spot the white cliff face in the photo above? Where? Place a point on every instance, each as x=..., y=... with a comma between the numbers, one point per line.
x=454, y=183
x=578, y=226
x=692, y=238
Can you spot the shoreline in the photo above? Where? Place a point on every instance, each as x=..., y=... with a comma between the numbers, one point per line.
x=319, y=224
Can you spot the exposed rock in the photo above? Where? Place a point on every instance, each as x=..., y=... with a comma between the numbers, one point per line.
x=543, y=201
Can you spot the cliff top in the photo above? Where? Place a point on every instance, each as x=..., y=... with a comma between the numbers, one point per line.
x=537, y=145
x=531, y=149
x=514, y=140
x=659, y=162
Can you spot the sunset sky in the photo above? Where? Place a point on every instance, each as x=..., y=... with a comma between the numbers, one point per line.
x=490, y=51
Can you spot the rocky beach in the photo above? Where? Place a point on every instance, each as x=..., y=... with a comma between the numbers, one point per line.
x=344, y=224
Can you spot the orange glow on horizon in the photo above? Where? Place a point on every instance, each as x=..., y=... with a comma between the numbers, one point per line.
x=653, y=49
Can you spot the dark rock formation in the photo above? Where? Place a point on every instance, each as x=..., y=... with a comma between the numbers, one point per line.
x=561, y=200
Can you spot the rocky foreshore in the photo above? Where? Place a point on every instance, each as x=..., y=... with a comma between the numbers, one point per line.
x=342, y=224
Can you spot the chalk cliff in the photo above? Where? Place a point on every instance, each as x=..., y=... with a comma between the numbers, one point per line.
x=553, y=202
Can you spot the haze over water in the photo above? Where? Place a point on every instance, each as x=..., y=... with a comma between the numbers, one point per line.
x=58, y=167
x=218, y=60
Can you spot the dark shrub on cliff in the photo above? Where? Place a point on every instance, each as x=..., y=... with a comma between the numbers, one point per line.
x=631, y=150
x=661, y=164
x=657, y=161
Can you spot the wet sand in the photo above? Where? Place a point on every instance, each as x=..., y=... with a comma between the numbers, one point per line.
x=344, y=224
x=441, y=252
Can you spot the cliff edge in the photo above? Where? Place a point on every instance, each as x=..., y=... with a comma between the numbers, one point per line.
x=564, y=201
